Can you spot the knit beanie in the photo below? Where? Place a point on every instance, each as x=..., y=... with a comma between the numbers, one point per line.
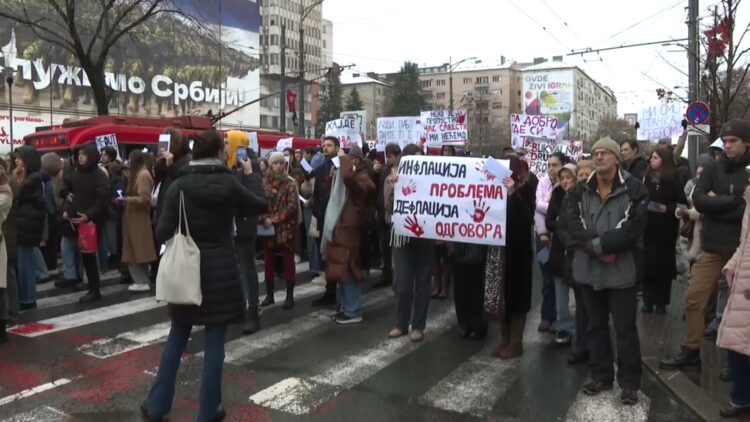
x=52, y=163
x=274, y=157
x=356, y=151
x=235, y=139
x=610, y=145
x=738, y=128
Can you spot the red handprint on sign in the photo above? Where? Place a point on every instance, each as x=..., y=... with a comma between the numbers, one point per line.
x=487, y=174
x=413, y=226
x=410, y=188
x=460, y=117
x=480, y=211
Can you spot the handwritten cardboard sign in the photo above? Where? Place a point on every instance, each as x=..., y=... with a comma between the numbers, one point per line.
x=539, y=150
x=401, y=130
x=660, y=121
x=445, y=127
x=450, y=198
x=103, y=141
x=346, y=130
x=524, y=126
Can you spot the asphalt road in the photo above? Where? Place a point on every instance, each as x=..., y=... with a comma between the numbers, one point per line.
x=67, y=361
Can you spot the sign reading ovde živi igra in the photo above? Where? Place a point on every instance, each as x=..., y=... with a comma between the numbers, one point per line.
x=449, y=198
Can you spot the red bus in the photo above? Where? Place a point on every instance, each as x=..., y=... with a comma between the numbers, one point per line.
x=138, y=133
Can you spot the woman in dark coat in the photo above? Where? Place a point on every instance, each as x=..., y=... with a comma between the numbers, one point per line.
x=665, y=193
x=213, y=198
x=509, y=268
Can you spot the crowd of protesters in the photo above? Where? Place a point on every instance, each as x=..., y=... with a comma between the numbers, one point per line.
x=605, y=229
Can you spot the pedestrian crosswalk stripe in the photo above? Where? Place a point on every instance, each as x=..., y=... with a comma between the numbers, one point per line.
x=70, y=298
x=32, y=391
x=299, y=396
x=245, y=350
x=109, y=275
x=606, y=407
x=91, y=316
x=157, y=333
x=42, y=413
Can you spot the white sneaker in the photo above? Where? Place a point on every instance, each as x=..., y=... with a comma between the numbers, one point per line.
x=297, y=259
x=139, y=288
x=319, y=280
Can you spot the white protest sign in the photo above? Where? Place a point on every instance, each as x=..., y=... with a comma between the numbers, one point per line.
x=524, y=125
x=400, y=130
x=660, y=121
x=284, y=143
x=164, y=140
x=539, y=150
x=449, y=198
x=445, y=127
x=360, y=118
x=253, y=141
x=346, y=130
x=103, y=141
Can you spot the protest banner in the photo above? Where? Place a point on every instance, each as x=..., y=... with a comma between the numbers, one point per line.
x=103, y=141
x=445, y=127
x=346, y=130
x=524, y=126
x=660, y=121
x=400, y=130
x=450, y=198
x=539, y=150
x=361, y=120
x=253, y=141
x=284, y=143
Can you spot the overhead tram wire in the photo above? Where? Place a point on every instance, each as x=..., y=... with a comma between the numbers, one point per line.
x=563, y=21
x=540, y=25
x=665, y=10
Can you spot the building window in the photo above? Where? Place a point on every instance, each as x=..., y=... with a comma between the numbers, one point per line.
x=483, y=80
x=483, y=91
x=496, y=78
x=467, y=81
x=427, y=84
x=440, y=96
x=440, y=82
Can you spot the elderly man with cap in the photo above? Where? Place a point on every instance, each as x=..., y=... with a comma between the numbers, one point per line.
x=718, y=197
x=605, y=217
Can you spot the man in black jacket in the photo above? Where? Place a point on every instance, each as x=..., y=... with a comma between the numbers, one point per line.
x=321, y=194
x=87, y=196
x=718, y=197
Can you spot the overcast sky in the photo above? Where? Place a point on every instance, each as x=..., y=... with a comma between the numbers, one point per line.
x=380, y=35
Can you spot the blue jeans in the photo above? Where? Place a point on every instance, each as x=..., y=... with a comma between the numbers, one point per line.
x=549, y=312
x=102, y=248
x=28, y=273
x=313, y=254
x=71, y=258
x=565, y=320
x=739, y=372
x=350, y=294
x=159, y=401
x=246, y=257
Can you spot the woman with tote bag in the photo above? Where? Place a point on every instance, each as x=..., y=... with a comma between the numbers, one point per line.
x=212, y=198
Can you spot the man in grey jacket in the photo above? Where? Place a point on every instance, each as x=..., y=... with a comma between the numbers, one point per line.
x=606, y=216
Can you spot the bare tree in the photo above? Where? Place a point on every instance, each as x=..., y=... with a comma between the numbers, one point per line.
x=614, y=127
x=727, y=64
x=87, y=29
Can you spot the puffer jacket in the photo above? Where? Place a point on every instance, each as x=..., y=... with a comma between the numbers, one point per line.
x=722, y=214
x=734, y=331
x=213, y=199
x=90, y=188
x=613, y=226
x=29, y=205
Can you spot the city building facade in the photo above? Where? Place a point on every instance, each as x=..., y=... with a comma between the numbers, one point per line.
x=373, y=93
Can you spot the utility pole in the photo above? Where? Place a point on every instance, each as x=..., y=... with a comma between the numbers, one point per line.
x=450, y=82
x=9, y=80
x=301, y=105
x=282, y=82
x=693, y=75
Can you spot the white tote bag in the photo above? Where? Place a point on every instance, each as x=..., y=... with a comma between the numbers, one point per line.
x=179, y=278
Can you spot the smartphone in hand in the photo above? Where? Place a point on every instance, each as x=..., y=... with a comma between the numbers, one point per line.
x=241, y=154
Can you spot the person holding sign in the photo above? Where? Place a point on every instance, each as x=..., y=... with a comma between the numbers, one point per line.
x=605, y=217
x=412, y=260
x=283, y=205
x=508, y=275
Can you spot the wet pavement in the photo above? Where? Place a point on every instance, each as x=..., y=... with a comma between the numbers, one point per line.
x=96, y=363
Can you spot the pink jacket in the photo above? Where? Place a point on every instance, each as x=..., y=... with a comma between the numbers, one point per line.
x=734, y=332
x=543, y=194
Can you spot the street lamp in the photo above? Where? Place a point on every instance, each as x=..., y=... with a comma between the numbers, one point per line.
x=9, y=81
x=452, y=66
x=303, y=14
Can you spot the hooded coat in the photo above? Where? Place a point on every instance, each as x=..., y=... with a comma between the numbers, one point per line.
x=29, y=205
x=90, y=189
x=213, y=198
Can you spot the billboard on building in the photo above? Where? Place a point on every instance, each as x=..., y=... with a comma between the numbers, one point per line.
x=169, y=66
x=550, y=92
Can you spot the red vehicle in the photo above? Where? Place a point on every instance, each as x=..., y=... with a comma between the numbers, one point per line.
x=138, y=133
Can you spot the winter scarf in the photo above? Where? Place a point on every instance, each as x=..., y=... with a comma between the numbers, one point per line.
x=334, y=209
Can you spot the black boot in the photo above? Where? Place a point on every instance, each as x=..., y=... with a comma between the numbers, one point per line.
x=94, y=294
x=3, y=333
x=328, y=298
x=269, y=300
x=252, y=321
x=289, y=301
x=684, y=359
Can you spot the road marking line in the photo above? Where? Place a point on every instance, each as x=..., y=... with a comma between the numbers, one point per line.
x=35, y=390
x=158, y=333
x=109, y=275
x=42, y=413
x=475, y=386
x=299, y=396
x=247, y=349
x=70, y=298
x=606, y=407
